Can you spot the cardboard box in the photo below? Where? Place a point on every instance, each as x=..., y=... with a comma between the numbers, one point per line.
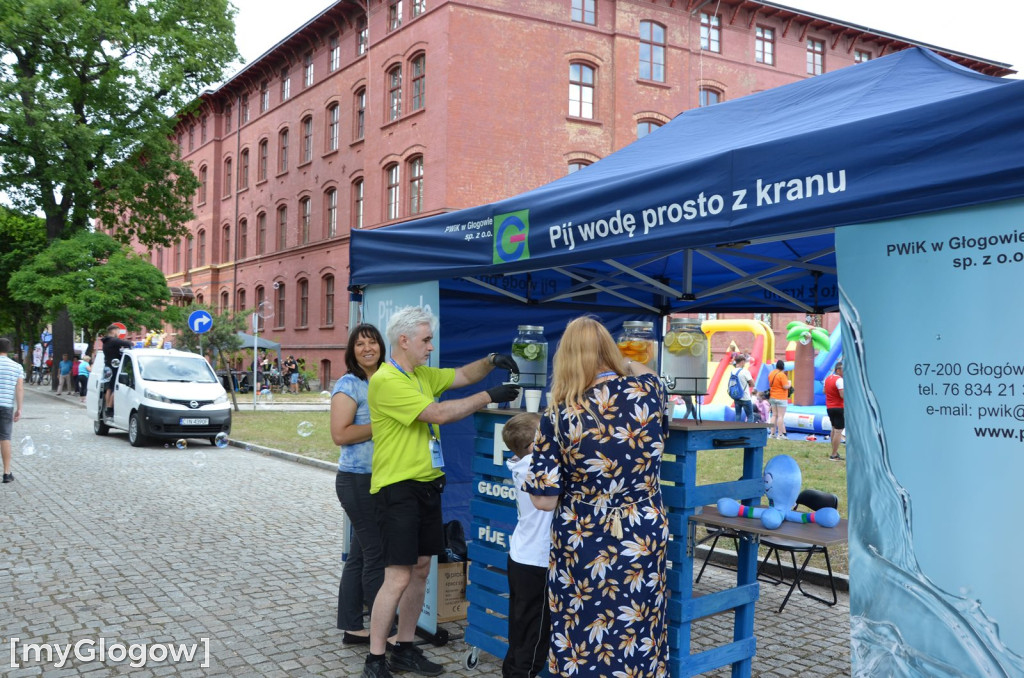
x=451, y=591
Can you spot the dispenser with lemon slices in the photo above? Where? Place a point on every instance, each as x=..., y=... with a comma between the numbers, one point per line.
x=530, y=351
x=638, y=344
x=685, y=358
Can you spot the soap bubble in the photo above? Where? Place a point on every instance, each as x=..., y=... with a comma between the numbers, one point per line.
x=28, y=446
x=167, y=446
x=306, y=428
x=265, y=310
x=44, y=451
x=269, y=397
x=47, y=428
x=221, y=440
x=805, y=338
x=325, y=396
x=107, y=373
x=248, y=447
x=67, y=414
x=58, y=450
x=66, y=434
x=181, y=444
x=199, y=459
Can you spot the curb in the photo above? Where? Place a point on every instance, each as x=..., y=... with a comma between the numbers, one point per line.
x=281, y=454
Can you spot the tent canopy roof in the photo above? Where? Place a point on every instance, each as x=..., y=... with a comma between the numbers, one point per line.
x=261, y=342
x=732, y=206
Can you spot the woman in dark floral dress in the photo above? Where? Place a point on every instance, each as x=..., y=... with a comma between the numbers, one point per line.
x=597, y=464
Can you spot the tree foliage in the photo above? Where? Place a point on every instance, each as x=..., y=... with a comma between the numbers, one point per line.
x=88, y=94
x=22, y=236
x=98, y=280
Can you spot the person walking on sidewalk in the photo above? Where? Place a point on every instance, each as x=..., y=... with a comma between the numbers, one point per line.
x=12, y=390
x=64, y=370
x=834, y=408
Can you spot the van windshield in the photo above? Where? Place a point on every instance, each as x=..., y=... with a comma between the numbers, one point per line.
x=176, y=368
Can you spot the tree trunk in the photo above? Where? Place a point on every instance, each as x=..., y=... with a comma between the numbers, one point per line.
x=63, y=342
x=803, y=374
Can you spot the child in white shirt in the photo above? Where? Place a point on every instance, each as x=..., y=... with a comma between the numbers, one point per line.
x=529, y=618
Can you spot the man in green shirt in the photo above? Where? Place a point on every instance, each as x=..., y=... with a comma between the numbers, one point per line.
x=407, y=477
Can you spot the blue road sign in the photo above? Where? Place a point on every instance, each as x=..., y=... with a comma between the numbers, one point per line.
x=200, y=321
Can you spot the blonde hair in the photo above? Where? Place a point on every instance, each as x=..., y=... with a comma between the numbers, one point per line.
x=586, y=348
x=519, y=432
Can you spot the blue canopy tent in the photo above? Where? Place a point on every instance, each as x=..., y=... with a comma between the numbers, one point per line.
x=726, y=208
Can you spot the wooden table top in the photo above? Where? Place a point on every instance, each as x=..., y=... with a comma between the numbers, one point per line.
x=806, y=532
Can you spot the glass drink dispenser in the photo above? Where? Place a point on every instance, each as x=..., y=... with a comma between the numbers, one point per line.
x=685, y=358
x=637, y=343
x=530, y=351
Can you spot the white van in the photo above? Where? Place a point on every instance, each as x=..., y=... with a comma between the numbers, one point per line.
x=159, y=394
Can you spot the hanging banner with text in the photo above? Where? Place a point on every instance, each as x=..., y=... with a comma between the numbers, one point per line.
x=934, y=389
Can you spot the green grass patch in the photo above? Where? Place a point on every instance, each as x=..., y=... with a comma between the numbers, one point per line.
x=280, y=430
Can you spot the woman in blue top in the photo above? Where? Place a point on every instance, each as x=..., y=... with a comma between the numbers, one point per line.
x=350, y=428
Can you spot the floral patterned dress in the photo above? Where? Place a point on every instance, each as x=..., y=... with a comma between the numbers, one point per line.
x=607, y=589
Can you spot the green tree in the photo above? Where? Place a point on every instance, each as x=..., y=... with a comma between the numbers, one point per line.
x=21, y=238
x=98, y=280
x=90, y=92
x=221, y=340
x=807, y=338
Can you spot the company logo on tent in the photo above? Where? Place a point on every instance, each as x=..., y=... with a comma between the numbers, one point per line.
x=512, y=237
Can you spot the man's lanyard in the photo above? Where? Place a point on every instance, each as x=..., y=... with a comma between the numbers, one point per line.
x=398, y=367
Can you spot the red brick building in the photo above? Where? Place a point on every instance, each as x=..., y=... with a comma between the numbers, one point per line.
x=379, y=111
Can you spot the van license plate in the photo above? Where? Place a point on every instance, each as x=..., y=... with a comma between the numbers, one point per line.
x=194, y=422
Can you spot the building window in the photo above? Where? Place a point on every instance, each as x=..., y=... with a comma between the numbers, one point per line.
x=199, y=298
x=240, y=306
x=225, y=245
x=418, y=7
x=419, y=82
x=360, y=116
x=201, y=259
x=307, y=70
x=245, y=108
x=303, y=303
x=223, y=302
x=282, y=150
x=305, y=214
x=581, y=91
x=583, y=11
x=261, y=233
x=243, y=169
x=227, y=176
x=645, y=127
x=160, y=259
x=328, y=285
x=335, y=53
x=333, y=120
x=307, y=139
x=860, y=56
x=362, y=36
x=395, y=93
x=279, y=312
x=260, y=298
x=815, y=57
x=181, y=143
x=243, y=235
x=652, y=51
x=188, y=253
x=357, y=203
x=709, y=97
x=202, y=130
x=177, y=256
x=331, y=212
x=264, y=96
x=325, y=371
x=416, y=185
x=286, y=84
x=228, y=114
x=282, y=228
x=394, y=15
x=261, y=172
x=202, y=184
x=577, y=165
x=191, y=137
x=391, y=173
x=764, y=46
x=710, y=32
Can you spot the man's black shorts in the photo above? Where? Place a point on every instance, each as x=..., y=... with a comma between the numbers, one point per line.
x=6, y=422
x=835, y=415
x=409, y=516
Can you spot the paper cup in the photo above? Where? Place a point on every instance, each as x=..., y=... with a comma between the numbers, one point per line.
x=532, y=398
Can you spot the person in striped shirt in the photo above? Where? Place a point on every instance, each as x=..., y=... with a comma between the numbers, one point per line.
x=12, y=389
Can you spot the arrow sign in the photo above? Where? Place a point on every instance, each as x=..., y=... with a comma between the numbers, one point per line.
x=200, y=321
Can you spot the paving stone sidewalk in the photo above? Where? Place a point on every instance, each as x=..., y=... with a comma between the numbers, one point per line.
x=99, y=540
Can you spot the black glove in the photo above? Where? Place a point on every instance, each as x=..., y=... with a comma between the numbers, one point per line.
x=504, y=393
x=505, y=362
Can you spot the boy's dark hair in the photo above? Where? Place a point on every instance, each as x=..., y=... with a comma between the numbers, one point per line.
x=520, y=431
x=5, y=345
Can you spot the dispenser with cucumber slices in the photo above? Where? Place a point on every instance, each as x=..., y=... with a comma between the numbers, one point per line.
x=530, y=351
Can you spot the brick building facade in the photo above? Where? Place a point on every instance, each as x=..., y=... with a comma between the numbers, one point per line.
x=380, y=111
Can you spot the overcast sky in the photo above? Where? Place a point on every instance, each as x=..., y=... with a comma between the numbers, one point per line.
x=990, y=30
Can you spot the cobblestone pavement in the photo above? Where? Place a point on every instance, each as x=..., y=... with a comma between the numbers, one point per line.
x=99, y=540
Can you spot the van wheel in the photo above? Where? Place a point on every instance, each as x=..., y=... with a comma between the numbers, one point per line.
x=135, y=436
x=99, y=428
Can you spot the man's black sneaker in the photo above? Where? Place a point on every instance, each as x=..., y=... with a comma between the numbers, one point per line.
x=376, y=670
x=413, y=659
x=8, y=477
